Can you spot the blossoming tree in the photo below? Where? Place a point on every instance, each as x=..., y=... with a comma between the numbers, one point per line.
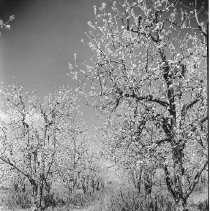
x=32, y=133
x=148, y=77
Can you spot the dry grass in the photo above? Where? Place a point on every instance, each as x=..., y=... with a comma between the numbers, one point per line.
x=116, y=198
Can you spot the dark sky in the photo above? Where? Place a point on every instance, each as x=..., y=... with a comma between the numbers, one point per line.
x=43, y=39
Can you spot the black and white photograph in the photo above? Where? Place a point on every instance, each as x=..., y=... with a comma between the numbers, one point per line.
x=104, y=105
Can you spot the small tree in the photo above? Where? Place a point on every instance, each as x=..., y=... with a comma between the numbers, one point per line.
x=73, y=162
x=149, y=72
x=32, y=131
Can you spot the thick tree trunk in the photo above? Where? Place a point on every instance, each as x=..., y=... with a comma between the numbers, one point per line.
x=34, y=190
x=179, y=177
x=37, y=194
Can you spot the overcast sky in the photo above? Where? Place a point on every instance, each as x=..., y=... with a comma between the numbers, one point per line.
x=43, y=38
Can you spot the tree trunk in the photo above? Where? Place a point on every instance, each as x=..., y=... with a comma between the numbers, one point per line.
x=179, y=177
x=181, y=205
x=34, y=190
x=41, y=194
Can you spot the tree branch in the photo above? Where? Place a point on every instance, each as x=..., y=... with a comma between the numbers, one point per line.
x=166, y=126
x=200, y=122
x=200, y=25
x=169, y=182
x=149, y=98
x=195, y=180
x=188, y=106
x=133, y=95
x=7, y=161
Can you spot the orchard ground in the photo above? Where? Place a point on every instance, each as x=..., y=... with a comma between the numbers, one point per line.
x=197, y=197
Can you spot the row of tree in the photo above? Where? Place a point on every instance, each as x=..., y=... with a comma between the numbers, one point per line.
x=43, y=141
x=147, y=80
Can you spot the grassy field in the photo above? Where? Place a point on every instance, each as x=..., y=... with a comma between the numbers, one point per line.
x=103, y=199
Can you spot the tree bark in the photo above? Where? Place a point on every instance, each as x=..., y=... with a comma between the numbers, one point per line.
x=178, y=177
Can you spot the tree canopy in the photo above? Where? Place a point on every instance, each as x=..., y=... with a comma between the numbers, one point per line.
x=148, y=79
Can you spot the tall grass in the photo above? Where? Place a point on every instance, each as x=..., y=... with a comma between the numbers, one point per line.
x=14, y=199
x=132, y=201
x=111, y=200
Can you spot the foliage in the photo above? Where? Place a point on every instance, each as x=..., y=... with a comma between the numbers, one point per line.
x=79, y=167
x=43, y=144
x=32, y=133
x=148, y=80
